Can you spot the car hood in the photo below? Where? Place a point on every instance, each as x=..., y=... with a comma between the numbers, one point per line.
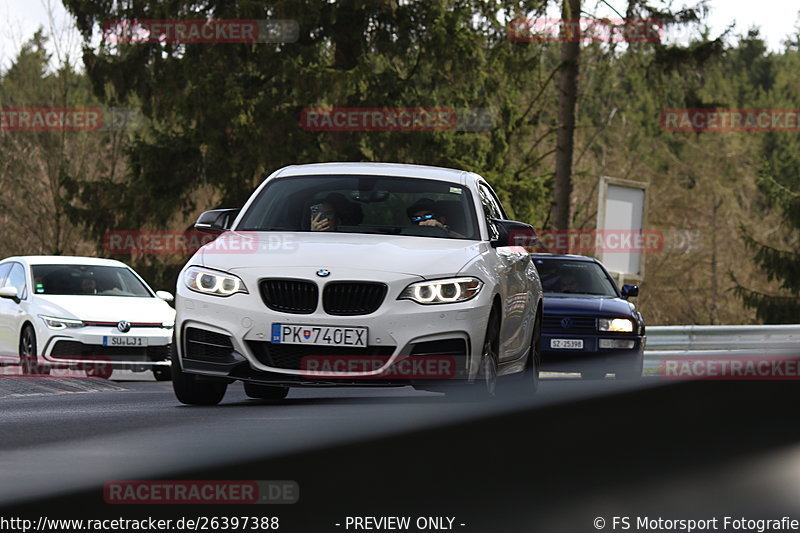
x=94, y=308
x=419, y=256
x=588, y=305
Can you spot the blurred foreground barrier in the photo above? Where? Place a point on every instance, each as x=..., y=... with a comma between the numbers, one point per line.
x=728, y=341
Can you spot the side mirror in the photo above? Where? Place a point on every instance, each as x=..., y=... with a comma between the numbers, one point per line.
x=166, y=296
x=629, y=291
x=509, y=233
x=216, y=221
x=10, y=293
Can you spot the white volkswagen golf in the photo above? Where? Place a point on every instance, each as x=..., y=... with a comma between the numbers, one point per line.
x=347, y=274
x=82, y=312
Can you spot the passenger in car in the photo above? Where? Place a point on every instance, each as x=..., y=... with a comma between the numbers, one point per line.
x=424, y=212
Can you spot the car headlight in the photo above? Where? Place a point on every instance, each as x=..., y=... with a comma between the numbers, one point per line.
x=620, y=325
x=443, y=291
x=213, y=282
x=61, y=323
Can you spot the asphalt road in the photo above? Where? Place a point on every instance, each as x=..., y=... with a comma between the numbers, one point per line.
x=61, y=438
x=578, y=451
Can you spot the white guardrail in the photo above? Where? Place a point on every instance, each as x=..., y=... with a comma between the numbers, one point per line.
x=722, y=341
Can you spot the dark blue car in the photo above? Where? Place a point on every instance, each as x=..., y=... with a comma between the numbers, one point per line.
x=588, y=324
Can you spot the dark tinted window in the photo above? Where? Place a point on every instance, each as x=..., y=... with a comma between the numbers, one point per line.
x=362, y=204
x=574, y=277
x=87, y=280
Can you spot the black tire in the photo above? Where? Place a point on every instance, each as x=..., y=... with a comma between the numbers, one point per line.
x=535, y=359
x=162, y=373
x=485, y=385
x=192, y=391
x=28, y=358
x=265, y=392
x=490, y=354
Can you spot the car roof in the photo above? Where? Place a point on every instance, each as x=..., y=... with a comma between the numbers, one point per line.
x=571, y=257
x=65, y=260
x=376, y=169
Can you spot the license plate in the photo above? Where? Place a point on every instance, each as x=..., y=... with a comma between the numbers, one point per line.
x=125, y=341
x=318, y=335
x=566, y=344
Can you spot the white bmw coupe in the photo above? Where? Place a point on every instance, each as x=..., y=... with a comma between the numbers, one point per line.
x=82, y=312
x=343, y=274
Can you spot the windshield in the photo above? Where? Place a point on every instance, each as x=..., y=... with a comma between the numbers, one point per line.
x=87, y=280
x=364, y=204
x=574, y=277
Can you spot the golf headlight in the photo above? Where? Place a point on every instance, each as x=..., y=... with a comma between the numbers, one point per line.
x=620, y=325
x=213, y=282
x=61, y=323
x=443, y=291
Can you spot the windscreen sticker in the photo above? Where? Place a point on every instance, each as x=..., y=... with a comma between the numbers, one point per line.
x=455, y=190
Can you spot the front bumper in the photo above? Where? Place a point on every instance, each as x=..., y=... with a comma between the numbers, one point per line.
x=591, y=356
x=139, y=348
x=237, y=334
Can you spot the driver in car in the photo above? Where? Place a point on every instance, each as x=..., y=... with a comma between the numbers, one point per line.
x=568, y=283
x=88, y=286
x=335, y=210
x=423, y=212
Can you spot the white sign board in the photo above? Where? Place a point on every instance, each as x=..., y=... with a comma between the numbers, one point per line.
x=622, y=211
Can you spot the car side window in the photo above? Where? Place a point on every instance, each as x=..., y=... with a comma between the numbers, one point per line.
x=491, y=209
x=4, y=268
x=16, y=279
